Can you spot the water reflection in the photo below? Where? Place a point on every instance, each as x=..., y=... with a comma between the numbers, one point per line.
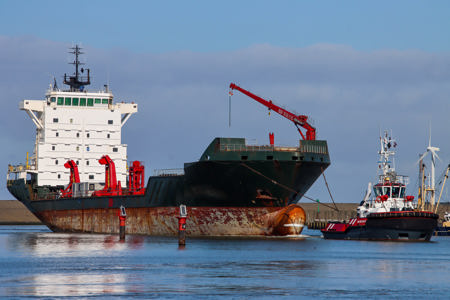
x=61, y=244
x=64, y=285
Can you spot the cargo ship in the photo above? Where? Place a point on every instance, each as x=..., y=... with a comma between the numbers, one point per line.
x=78, y=176
x=389, y=214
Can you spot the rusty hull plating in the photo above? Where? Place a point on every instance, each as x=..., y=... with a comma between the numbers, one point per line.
x=202, y=221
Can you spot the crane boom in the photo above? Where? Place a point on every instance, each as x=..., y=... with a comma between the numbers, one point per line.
x=298, y=120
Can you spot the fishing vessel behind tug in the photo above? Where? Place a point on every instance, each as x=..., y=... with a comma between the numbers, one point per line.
x=389, y=214
x=78, y=176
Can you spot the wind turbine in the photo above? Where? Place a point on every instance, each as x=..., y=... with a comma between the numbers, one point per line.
x=432, y=150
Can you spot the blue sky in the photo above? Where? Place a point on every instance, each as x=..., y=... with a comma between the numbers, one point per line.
x=354, y=67
x=203, y=26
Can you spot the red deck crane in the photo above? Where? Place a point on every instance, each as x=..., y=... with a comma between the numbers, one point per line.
x=299, y=120
x=136, y=178
x=74, y=178
x=112, y=187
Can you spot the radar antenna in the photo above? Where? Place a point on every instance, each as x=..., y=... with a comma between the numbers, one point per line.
x=76, y=82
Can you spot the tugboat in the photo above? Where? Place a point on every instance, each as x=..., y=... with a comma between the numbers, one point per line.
x=389, y=214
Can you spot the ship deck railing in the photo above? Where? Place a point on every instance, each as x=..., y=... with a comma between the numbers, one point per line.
x=88, y=194
x=240, y=147
x=304, y=148
x=168, y=172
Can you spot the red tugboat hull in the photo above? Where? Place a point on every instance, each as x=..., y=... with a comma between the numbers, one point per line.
x=394, y=226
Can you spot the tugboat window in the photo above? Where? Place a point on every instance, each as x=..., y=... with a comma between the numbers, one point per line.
x=395, y=191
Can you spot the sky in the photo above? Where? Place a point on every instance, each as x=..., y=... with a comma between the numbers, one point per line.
x=354, y=67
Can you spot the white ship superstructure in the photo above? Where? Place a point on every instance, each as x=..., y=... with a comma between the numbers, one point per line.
x=76, y=125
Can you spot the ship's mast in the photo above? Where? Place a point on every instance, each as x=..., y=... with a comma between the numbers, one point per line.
x=76, y=82
x=385, y=164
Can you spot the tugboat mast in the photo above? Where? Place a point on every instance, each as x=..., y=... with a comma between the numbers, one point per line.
x=385, y=165
x=76, y=82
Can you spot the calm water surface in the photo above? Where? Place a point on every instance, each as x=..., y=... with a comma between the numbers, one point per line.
x=37, y=263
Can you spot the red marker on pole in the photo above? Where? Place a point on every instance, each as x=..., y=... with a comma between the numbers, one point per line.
x=122, y=217
x=182, y=225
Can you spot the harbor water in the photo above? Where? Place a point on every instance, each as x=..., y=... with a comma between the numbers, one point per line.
x=36, y=263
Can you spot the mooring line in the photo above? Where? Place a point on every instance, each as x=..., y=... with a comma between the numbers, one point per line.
x=329, y=192
x=288, y=188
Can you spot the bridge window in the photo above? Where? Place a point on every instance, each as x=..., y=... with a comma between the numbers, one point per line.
x=67, y=101
x=60, y=101
x=377, y=190
x=53, y=99
x=387, y=191
x=90, y=102
x=395, y=191
x=75, y=101
x=104, y=101
x=98, y=101
x=83, y=102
